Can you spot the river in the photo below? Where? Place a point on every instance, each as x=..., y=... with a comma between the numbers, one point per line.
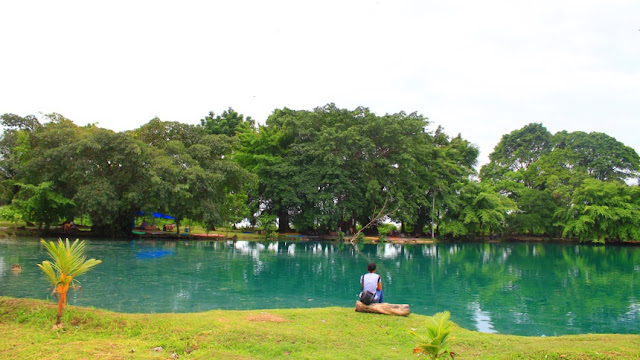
x=530, y=289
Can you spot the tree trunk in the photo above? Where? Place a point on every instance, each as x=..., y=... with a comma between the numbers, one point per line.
x=177, y=227
x=383, y=308
x=352, y=225
x=381, y=214
x=421, y=221
x=433, y=223
x=347, y=226
x=283, y=221
x=60, y=305
x=372, y=229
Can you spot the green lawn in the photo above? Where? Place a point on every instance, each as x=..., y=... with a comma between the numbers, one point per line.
x=321, y=333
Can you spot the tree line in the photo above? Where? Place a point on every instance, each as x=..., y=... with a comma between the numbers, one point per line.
x=319, y=171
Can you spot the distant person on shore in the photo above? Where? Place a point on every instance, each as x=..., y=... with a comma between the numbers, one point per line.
x=371, y=286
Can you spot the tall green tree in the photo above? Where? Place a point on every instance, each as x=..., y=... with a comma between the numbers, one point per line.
x=41, y=205
x=599, y=155
x=521, y=148
x=602, y=211
x=542, y=174
x=482, y=210
x=158, y=133
x=334, y=168
x=229, y=123
x=266, y=153
x=191, y=173
x=513, y=170
x=14, y=149
x=115, y=176
x=102, y=171
x=446, y=168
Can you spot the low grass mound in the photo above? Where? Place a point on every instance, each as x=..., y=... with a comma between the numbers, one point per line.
x=322, y=333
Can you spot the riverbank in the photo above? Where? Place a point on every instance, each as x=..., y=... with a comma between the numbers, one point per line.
x=226, y=234
x=325, y=333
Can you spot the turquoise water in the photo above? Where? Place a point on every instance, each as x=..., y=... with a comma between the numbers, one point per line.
x=509, y=288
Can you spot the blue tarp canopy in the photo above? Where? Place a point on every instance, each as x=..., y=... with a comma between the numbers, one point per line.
x=156, y=215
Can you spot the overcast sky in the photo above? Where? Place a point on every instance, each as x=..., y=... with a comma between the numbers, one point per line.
x=479, y=68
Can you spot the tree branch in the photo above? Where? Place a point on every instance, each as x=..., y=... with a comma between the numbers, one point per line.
x=381, y=214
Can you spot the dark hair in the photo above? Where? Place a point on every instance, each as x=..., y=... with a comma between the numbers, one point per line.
x=371, y=267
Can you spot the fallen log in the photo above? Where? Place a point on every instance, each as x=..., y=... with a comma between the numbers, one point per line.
x=383, y=308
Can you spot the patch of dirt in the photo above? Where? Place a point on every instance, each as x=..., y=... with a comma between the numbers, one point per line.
x=79, y=321
x=267, y=317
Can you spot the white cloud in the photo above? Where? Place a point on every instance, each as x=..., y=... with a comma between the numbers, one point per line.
x=479, y=68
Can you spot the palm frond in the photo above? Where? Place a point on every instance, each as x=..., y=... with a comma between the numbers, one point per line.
x=436, y=341
x=68, y=261
x=49, y=272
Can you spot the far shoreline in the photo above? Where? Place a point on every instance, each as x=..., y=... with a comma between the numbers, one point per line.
x=7, y=232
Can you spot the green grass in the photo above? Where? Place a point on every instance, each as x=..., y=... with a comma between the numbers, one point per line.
x=322, y=333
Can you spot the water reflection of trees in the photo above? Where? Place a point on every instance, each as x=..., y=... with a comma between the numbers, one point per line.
x=532, y=285
x=530, y=288
x=521, y=288
x=513, y=288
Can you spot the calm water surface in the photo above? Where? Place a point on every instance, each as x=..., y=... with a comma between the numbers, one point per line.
x=508, y=288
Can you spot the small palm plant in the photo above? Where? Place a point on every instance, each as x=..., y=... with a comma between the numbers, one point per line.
x=436, y=343
x=68, y=263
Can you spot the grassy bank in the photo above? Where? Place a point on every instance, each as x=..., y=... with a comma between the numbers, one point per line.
x=323, y=333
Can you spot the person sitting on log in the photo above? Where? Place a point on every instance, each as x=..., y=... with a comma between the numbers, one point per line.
x=371, y=286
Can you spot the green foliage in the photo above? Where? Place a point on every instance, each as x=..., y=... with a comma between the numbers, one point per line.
x=69, y=262
x=14, y=149
x=38, y=204
x=448, y=167
x=235, y=208
x=316, y=170
x=602, y=211
x=18, y=123
x=482, y=211
x=164, y=166
x=266, y=222
x=599, y=155
x=12, y=214
x=197, y=180
x=546, y=177
x=535, y=212
x=386, y=228
x=435, y=343
x=96, y=168
x=521, y=148
x=230, y=123
x=331, y=167
x=158, y=133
